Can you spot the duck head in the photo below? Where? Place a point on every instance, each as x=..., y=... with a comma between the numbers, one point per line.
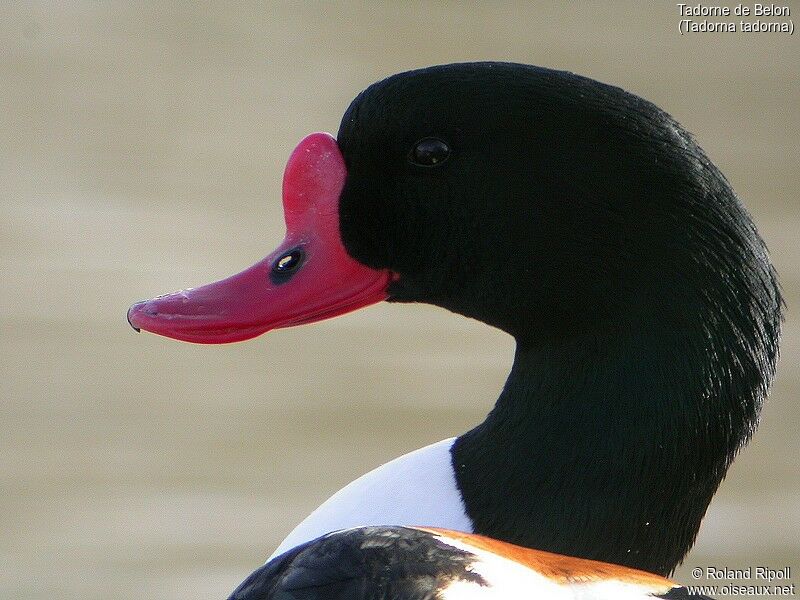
x=584, y=221
x=534, y=200
x=546, y=204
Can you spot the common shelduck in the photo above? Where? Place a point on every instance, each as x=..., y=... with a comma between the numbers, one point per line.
x=590, y=226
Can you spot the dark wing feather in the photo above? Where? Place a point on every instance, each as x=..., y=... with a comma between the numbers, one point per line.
x=367, y=563
x=682, y=593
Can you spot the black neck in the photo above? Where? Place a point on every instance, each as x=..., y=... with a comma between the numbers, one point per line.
x=592, y=451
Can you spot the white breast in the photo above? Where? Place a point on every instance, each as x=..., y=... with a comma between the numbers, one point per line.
x=418, y=488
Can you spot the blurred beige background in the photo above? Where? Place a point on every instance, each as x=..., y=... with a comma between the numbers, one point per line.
x=141, y=150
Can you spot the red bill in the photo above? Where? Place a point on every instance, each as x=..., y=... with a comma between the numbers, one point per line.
x=308, y=278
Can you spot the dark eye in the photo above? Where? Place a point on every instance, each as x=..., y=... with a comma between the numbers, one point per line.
x=429, y=152
x=286, y=264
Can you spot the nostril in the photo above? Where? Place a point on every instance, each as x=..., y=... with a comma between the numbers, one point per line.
x=287, y=264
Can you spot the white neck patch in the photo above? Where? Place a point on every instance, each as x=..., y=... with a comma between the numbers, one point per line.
x=419, y=488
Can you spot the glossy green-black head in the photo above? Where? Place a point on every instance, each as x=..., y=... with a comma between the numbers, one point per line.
x=540, y=201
